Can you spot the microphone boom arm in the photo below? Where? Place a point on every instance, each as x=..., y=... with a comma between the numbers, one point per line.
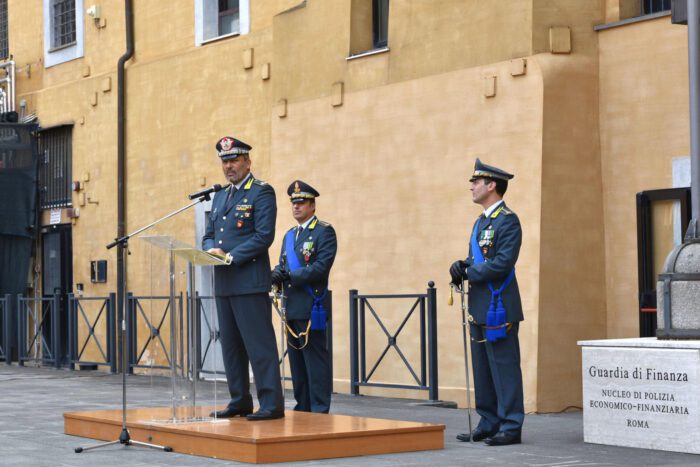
x=123, y=240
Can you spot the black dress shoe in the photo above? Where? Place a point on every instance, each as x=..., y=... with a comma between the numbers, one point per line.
x=503, y=439
x=265, y=415
x=476, y=435
x=230, y=412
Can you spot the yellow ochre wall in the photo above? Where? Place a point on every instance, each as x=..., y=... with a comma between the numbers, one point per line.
x=644, y=116
x=389, y=140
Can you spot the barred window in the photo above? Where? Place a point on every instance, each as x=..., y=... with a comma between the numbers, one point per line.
x=63, y=23
x=55, y=159
x=4, y=45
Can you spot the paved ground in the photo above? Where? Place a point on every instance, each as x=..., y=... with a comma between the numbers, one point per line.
x=33, y=400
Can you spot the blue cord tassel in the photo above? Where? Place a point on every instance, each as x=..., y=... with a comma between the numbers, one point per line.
x=318, y=316
x=491, y=321
x=500, y=319
x=496, y=319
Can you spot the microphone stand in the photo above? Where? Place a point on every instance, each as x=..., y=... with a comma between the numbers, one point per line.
x=122, y=248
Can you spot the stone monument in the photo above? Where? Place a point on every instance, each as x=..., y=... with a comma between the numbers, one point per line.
x=678, y=293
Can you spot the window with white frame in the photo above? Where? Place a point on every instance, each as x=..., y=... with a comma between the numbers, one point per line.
x=217, y=19
x=63, y=31
x=62, y=23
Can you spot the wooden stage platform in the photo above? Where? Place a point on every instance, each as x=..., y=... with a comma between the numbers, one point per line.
x=298, y=436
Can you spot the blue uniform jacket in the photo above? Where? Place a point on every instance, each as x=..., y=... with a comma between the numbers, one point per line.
x=499, y=238
x=317, y=242
x=245, y=228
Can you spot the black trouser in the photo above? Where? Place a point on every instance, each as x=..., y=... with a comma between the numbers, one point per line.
x=245, y=324
x=311, y=369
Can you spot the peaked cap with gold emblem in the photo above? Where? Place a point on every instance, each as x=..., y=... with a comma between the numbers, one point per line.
x=299, y=191
x=482, y=170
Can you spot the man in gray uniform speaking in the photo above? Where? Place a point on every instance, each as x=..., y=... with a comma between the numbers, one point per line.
x=241, y=227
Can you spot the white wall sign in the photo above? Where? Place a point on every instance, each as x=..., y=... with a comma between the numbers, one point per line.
x=55, y=217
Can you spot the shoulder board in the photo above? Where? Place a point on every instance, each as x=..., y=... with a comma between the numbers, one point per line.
x=259, y=182
x=325, y=224
x=501, y=210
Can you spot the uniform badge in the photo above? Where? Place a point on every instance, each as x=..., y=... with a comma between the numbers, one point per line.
x=307, y=249
x=226, y=143
x=239, y=223
x=486, y=237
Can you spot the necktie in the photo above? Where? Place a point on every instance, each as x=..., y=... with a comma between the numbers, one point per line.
x=299, y=229
x=231, y=194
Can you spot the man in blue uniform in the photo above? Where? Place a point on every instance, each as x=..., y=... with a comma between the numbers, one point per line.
x=241, y=227
x=495, y=310
x=308, y=252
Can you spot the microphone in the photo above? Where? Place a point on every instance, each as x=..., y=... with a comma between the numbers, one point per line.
x=205, y=193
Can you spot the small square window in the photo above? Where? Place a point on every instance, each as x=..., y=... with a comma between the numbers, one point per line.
x=63, y=28
x=369, y=28
x=63, y=31
x=215, y=19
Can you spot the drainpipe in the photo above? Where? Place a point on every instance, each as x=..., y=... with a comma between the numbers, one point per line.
x=694, y=78
x=121, y=174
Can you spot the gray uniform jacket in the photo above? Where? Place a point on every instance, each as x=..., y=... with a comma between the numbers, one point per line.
x=317, y=243
x=499, y=238
x=244, y=227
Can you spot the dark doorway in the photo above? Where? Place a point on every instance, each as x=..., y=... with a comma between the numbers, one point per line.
x=662, y=219
x=57, y=279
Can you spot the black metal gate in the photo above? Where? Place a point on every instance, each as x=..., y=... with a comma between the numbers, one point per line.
x=662, y=218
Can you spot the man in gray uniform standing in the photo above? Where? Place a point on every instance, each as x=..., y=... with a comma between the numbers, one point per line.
x=495, y=310
x=241, y=227
x=308, y=252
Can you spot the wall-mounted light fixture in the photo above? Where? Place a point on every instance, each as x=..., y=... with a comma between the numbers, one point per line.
x=94, y=11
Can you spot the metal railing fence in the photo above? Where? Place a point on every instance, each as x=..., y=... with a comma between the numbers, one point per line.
x=427, y=305
x=37, y=320
x=102, y=313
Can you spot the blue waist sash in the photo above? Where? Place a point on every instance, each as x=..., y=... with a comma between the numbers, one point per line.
x=496, y=316
x=318, y=311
